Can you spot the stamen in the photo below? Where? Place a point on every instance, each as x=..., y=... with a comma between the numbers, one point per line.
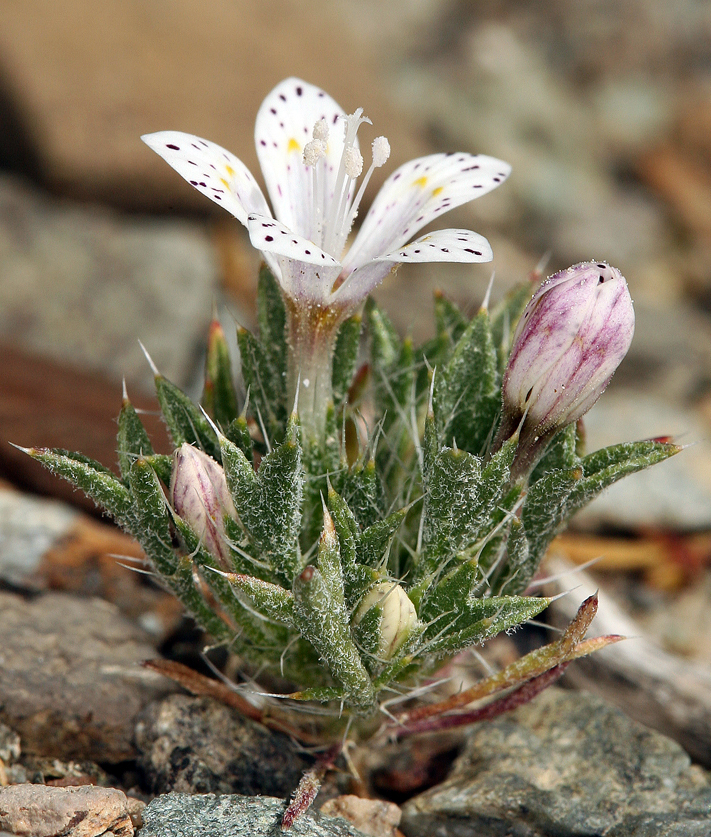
x=313, y=151
x=351, y=165
x=321, y=130
x=381, y=152
x=353, y=162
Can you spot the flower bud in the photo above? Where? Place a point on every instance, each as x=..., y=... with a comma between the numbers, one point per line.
x=398, y=616
x=569, y=341
x=199, y=494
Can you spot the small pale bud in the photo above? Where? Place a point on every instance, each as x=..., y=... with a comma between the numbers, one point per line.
x=381, y=151
x=199, y=494
x=398, y=616
x=571, y=338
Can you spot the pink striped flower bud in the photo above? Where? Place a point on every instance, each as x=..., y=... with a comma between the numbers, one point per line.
x=199, y=494
x=568, y=343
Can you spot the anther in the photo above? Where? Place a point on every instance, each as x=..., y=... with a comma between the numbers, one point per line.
x=314, y=151
x=321, y=130
x=353, y=161
x=381, y=151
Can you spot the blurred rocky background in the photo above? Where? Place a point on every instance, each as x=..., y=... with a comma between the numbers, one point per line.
x=604, y=110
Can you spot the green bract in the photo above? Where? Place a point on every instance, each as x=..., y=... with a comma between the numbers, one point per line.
x=363, y=559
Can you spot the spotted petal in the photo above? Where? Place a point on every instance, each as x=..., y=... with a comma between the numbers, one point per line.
x=211, y=170
x=306, y=271
x=444, y=246
x=417, y=193
x=285, y=123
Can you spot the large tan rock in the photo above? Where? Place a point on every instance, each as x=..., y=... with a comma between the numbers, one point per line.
x=90, y=78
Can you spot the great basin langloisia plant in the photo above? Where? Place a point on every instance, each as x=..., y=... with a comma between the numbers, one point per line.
x=348, y=528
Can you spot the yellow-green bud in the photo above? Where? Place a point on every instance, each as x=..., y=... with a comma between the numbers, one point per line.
x=398, y=616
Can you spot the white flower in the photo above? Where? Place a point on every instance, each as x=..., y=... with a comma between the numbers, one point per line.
x=308, y=150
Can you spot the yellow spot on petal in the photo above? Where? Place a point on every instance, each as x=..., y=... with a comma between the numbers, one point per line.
x=230, y=171
x=421, y=181
x=437, y=191
x=224, y=183
x=293, y=145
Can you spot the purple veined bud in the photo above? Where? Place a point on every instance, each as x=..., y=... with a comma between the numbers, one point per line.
x=199, y=494
x=398, y=616
x=572, y=336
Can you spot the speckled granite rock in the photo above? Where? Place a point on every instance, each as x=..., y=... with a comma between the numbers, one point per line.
x=82, y=284
x=196, y=745
x=182, y=815
x=567, y=765
x=41, y=811
x=71, y=683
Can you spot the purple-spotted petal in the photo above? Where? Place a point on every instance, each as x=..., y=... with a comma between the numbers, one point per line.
x=444, y=246
x=270, y=236
x=285, y=123
x=305, y=271
x=417, y=193
x=211, y=170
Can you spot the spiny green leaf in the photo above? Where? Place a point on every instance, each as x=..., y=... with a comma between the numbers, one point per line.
x=450, y=323
x=238, y=433
x=345, y=359
x=182, y=585
x=219, y=397
x=267, y=387
x=448, y=594
x=552, y=500
x=328, y=561
x=152, y=517
x=561, y=453
x=466, y=390
x=268, y=503
x=485, y=618
x=451, y=490
x=162, y=464
x=325, y=625
x=373, y=543
x=367, y=634
x=132, y=440
x=270, y=599
x=385, y=343
x=184, y=420
x=271, y=317
x=95, y=480
x=504, y=318
x=628, y=456
x=346, y=527
x=363, y=491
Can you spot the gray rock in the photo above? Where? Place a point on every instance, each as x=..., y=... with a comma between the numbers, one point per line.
x=182, y=815
x=70, y=676
x=374, y=817
x=29, y=526
x=568, y=765
x=41, y=811
x=9, y=745
x=675, y=494
x=197, y=745
x=104, y=281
